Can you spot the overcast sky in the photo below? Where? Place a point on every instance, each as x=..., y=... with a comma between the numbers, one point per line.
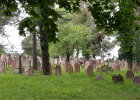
x=13, y=42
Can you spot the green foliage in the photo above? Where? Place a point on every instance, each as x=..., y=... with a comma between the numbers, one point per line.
x=2, y=50
x=71, y=36
x=27, y=46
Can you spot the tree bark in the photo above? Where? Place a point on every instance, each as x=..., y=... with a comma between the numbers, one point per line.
x=130, y=65
x=68, y=58
x=44, y=49
x=34, y=51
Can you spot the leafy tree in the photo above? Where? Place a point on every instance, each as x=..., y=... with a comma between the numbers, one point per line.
x=27, y=46
x=71, y=37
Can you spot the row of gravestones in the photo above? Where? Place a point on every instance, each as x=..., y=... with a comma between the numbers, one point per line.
x=19, y=64
x=117, y=78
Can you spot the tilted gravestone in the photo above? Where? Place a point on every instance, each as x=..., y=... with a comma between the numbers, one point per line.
x=77, y=66
x=90, y=70
x=117, y=78
x=31, y=71
x=57, y=70
x=136, y=80
x=129, y=75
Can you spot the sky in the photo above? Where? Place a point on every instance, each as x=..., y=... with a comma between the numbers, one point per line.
x=13, y=40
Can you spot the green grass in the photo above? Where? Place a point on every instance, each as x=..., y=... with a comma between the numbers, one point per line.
x=77, y=86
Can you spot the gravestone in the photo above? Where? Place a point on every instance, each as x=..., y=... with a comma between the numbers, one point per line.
x=2, y=67
x=39, y=66
x=99, y=77
x=136, y=80
x=9, y=61
x=90, y=70
x=104, y=68
x=3, y=63
x=27, y=65
x=69, y=68
x=57, y=70
x=77, y=67
x=84, y=61
x=117, y=78
x=116, y=66
x=31, y=71
x=13, y=63
x=18, y=67
x=129, y=75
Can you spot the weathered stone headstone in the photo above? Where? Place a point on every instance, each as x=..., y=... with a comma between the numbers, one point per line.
x=69, y=68
x=129, y=75
x=117, y=78
x=18, y=67
x=116, y=66
x=2, y=67
x=27, y=65
x=90, y=70
x=3, y=63
x=39, y=66
x=14, y=63
x=77, y=67
x=31, y=71
x=57, y=70
x=10, y=61
x=136, y=80
x=104, y=68
x=99, y=77
x=84, y=61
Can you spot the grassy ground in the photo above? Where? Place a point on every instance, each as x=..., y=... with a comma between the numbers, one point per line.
x=77, y=86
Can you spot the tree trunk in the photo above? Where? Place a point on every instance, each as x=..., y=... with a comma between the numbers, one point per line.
x=68, y=58
x=130, y=65
x=34, y=51
x=44, y=49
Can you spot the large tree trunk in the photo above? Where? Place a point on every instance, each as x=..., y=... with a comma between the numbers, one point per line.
x=130, y=65
x=44, y=49
x=68, y=58
x=34, y=51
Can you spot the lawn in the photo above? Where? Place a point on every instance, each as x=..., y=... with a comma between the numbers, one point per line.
x=76, y=86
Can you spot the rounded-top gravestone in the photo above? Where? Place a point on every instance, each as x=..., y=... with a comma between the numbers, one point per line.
x=117, y=78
